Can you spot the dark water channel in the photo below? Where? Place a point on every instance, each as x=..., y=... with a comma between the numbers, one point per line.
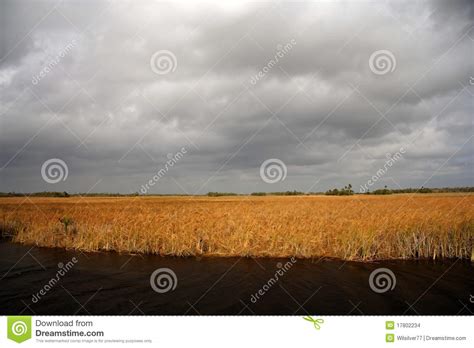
x=111, y=283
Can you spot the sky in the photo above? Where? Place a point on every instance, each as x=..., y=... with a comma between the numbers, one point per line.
x=156, y=97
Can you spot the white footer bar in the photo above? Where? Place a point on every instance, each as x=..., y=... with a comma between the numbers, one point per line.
x=237, y=331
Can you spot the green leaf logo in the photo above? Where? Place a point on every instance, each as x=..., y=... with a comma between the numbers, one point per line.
x=19, y=328
x=316, y=322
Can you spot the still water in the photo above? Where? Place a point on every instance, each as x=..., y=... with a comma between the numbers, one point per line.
x=111, y=283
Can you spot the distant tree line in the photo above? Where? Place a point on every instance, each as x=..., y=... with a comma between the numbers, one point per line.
x=285, y=193
x=64, y=194
x=220, y=194
x=386, y=191
x=345, y=191
x=35, y=194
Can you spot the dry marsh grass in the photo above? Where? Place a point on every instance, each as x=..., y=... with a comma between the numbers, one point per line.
x=351, y=228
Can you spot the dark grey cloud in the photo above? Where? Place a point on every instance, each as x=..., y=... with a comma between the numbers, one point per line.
x=76, y=84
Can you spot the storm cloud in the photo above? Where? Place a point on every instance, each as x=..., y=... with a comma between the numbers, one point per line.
x=116, y=89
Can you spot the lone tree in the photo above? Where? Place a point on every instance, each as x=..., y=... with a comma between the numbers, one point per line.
x=66, y=221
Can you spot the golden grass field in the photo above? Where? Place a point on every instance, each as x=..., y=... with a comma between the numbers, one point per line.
x=351, y=228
